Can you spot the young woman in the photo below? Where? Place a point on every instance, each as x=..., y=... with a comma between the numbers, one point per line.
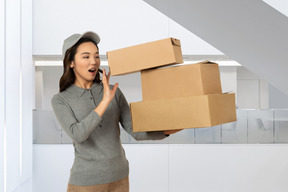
x=89, y=110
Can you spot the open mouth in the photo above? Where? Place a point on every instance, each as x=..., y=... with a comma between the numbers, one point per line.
x=92, y=70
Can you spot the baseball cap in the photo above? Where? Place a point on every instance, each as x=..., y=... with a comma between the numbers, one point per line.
x=73, y=39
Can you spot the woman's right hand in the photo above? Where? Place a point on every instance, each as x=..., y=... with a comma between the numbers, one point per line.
x=169, y=132
x=108, y=94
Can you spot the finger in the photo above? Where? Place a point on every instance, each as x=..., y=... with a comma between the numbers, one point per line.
x=167, y=132
x=115, y=87
x=175, y=131
x=109, y=74
x=108, y=77
x=104, y=75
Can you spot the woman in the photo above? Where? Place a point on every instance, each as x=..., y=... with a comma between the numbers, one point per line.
x=89, y=110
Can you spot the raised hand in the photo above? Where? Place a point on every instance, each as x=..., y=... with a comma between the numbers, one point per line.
x=108, y=93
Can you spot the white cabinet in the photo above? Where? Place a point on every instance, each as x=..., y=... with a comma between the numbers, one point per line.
x=51, y=167
x=148, y=167
x=226, y=168
x=174, y=168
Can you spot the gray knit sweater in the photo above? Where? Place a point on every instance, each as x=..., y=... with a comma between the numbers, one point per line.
x=99, y=156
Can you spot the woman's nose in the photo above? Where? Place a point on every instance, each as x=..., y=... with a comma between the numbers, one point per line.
x=94, y=60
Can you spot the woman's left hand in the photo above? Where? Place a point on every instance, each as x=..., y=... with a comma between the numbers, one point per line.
x=108, y=93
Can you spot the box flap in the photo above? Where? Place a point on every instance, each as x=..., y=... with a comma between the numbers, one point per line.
x=207, y=62
x=229, y=92
x=176, y=42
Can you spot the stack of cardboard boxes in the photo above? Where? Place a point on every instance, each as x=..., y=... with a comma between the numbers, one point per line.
x=177, y=97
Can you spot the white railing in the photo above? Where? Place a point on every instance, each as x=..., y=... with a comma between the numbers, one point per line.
x=252, y=126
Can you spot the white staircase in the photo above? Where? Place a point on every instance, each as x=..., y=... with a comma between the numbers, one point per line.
x=252, y=33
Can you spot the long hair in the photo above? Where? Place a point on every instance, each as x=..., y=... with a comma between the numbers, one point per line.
x=68, y=76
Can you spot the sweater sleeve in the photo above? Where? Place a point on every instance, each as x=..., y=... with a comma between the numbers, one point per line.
x=126, y=121
x=79, y=131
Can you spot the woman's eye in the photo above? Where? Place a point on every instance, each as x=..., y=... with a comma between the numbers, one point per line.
x=86, y=57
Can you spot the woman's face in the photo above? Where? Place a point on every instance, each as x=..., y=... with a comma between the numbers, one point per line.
x=86, y=63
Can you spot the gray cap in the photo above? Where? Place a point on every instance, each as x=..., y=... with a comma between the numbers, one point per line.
x=73, y=39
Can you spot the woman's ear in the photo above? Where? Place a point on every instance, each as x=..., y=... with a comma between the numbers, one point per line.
x=72, y=64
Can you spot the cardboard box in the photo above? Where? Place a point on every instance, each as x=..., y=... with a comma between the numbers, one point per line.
x=181, y=81
x=145, y=56
x=183, y=113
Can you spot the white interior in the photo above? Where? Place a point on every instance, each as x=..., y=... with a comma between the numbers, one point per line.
x=37, y=28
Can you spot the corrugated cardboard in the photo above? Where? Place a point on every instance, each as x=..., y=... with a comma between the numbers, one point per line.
x=181, y=81
x=145, y=56
x=183, y=113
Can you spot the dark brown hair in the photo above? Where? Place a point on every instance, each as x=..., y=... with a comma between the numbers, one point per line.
x=68, y=76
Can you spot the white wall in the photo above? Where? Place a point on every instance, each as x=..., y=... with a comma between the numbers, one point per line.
x=27, y=71
x=277, y=99
x=26, y=186
x=16, y=95
x=2, y=93
x=119, y=24
x=252, y=90
x=228, y=77
x=174, y=168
